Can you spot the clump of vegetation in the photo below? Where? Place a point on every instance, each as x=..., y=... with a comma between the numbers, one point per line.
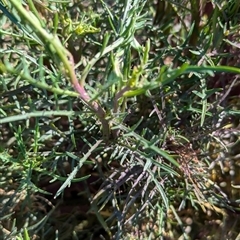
x=119, y=119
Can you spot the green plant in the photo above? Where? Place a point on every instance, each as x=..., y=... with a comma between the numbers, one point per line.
x=121, y=135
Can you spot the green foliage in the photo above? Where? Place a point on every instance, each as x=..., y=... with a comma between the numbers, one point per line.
x=112, y=108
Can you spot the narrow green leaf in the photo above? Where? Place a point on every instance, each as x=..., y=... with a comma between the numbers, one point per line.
x=27, y=116
x=9, y=15
x=25, y=234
